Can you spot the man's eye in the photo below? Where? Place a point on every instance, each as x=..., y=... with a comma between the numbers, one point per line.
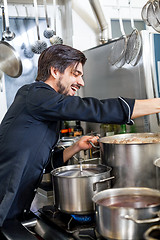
x=75, y=74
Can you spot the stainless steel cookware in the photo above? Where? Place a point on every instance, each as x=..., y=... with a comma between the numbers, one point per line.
x=126, y=213
x=75, y=185
x=10, y=62
x=131, y=157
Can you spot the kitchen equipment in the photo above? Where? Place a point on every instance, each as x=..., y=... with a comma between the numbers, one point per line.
x=153, y=233
x=134, y=44
x=131, y=158
x=74, y=188
x=144, y=13
x=157, y=11
x=157, y=165
x=55, y=39
x=151, y=15
x=118, y=50
x=7, y=34
x=48, y=33
x=126, y=213
x=27, y=49
x=39, y=46
x=10, y=62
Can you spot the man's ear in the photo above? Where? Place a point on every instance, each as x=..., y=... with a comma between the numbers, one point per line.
x=54, y=72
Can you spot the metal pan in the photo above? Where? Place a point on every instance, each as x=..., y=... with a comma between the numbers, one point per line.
x=10, y=62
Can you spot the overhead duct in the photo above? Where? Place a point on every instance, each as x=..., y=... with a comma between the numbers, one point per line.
x=104, y=37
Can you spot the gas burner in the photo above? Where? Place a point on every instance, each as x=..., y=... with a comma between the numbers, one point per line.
x=84, y=218
x=80, y=227
x=65, y=221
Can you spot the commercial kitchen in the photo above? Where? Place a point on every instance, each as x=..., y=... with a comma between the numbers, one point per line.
x=111, y=191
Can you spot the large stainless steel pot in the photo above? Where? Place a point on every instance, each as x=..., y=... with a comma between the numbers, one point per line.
x=132, y=163
x=126, y=213
x=75, y=185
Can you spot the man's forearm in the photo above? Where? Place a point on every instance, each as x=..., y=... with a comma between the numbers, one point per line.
x=70, y=151
x=146, y=107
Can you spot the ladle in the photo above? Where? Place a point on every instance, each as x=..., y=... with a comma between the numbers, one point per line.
x=7, y=34
x=27, y=49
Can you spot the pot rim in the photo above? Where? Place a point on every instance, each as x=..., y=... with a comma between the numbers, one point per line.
x=55, y=172
x=122, y=136
x=125, y=191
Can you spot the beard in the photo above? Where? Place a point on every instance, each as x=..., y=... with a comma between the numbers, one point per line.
x=61, y=88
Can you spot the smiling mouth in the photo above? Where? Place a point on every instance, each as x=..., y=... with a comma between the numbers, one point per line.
x=75, y=87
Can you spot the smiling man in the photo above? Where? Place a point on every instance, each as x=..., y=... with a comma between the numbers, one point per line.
x=30, y=129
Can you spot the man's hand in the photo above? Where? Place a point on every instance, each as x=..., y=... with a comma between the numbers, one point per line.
x=82, y=144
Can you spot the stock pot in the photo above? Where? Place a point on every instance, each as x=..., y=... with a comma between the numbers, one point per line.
x=75, y=185
x=131, y=158
x=126, y=213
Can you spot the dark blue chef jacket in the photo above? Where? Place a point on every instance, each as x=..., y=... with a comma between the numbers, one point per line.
x=30, y=129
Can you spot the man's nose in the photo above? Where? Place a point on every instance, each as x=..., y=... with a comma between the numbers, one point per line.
x=81, y=81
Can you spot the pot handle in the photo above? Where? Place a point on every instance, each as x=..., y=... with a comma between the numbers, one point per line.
x=101, y=181
x=94, y=145
x=151, y=220
x=149, y=230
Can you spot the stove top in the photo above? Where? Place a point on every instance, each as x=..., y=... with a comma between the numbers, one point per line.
x=83, y=228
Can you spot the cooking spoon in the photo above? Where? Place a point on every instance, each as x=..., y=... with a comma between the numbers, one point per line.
x=7, y=34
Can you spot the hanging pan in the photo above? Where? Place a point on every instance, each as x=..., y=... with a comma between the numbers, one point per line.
x=10, y=62
x=134, y=44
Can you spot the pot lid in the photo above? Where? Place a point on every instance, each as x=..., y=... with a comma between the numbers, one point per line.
x=84, y=170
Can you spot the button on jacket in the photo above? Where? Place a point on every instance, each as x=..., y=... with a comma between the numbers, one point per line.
x=30, y=129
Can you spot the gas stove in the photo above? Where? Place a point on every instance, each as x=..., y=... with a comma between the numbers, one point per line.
x=77, y=226
x=51, y=224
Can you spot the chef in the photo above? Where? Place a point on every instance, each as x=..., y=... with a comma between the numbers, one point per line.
x=30, y=129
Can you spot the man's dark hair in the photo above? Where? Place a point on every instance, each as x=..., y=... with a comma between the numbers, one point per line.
x=60, y=57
